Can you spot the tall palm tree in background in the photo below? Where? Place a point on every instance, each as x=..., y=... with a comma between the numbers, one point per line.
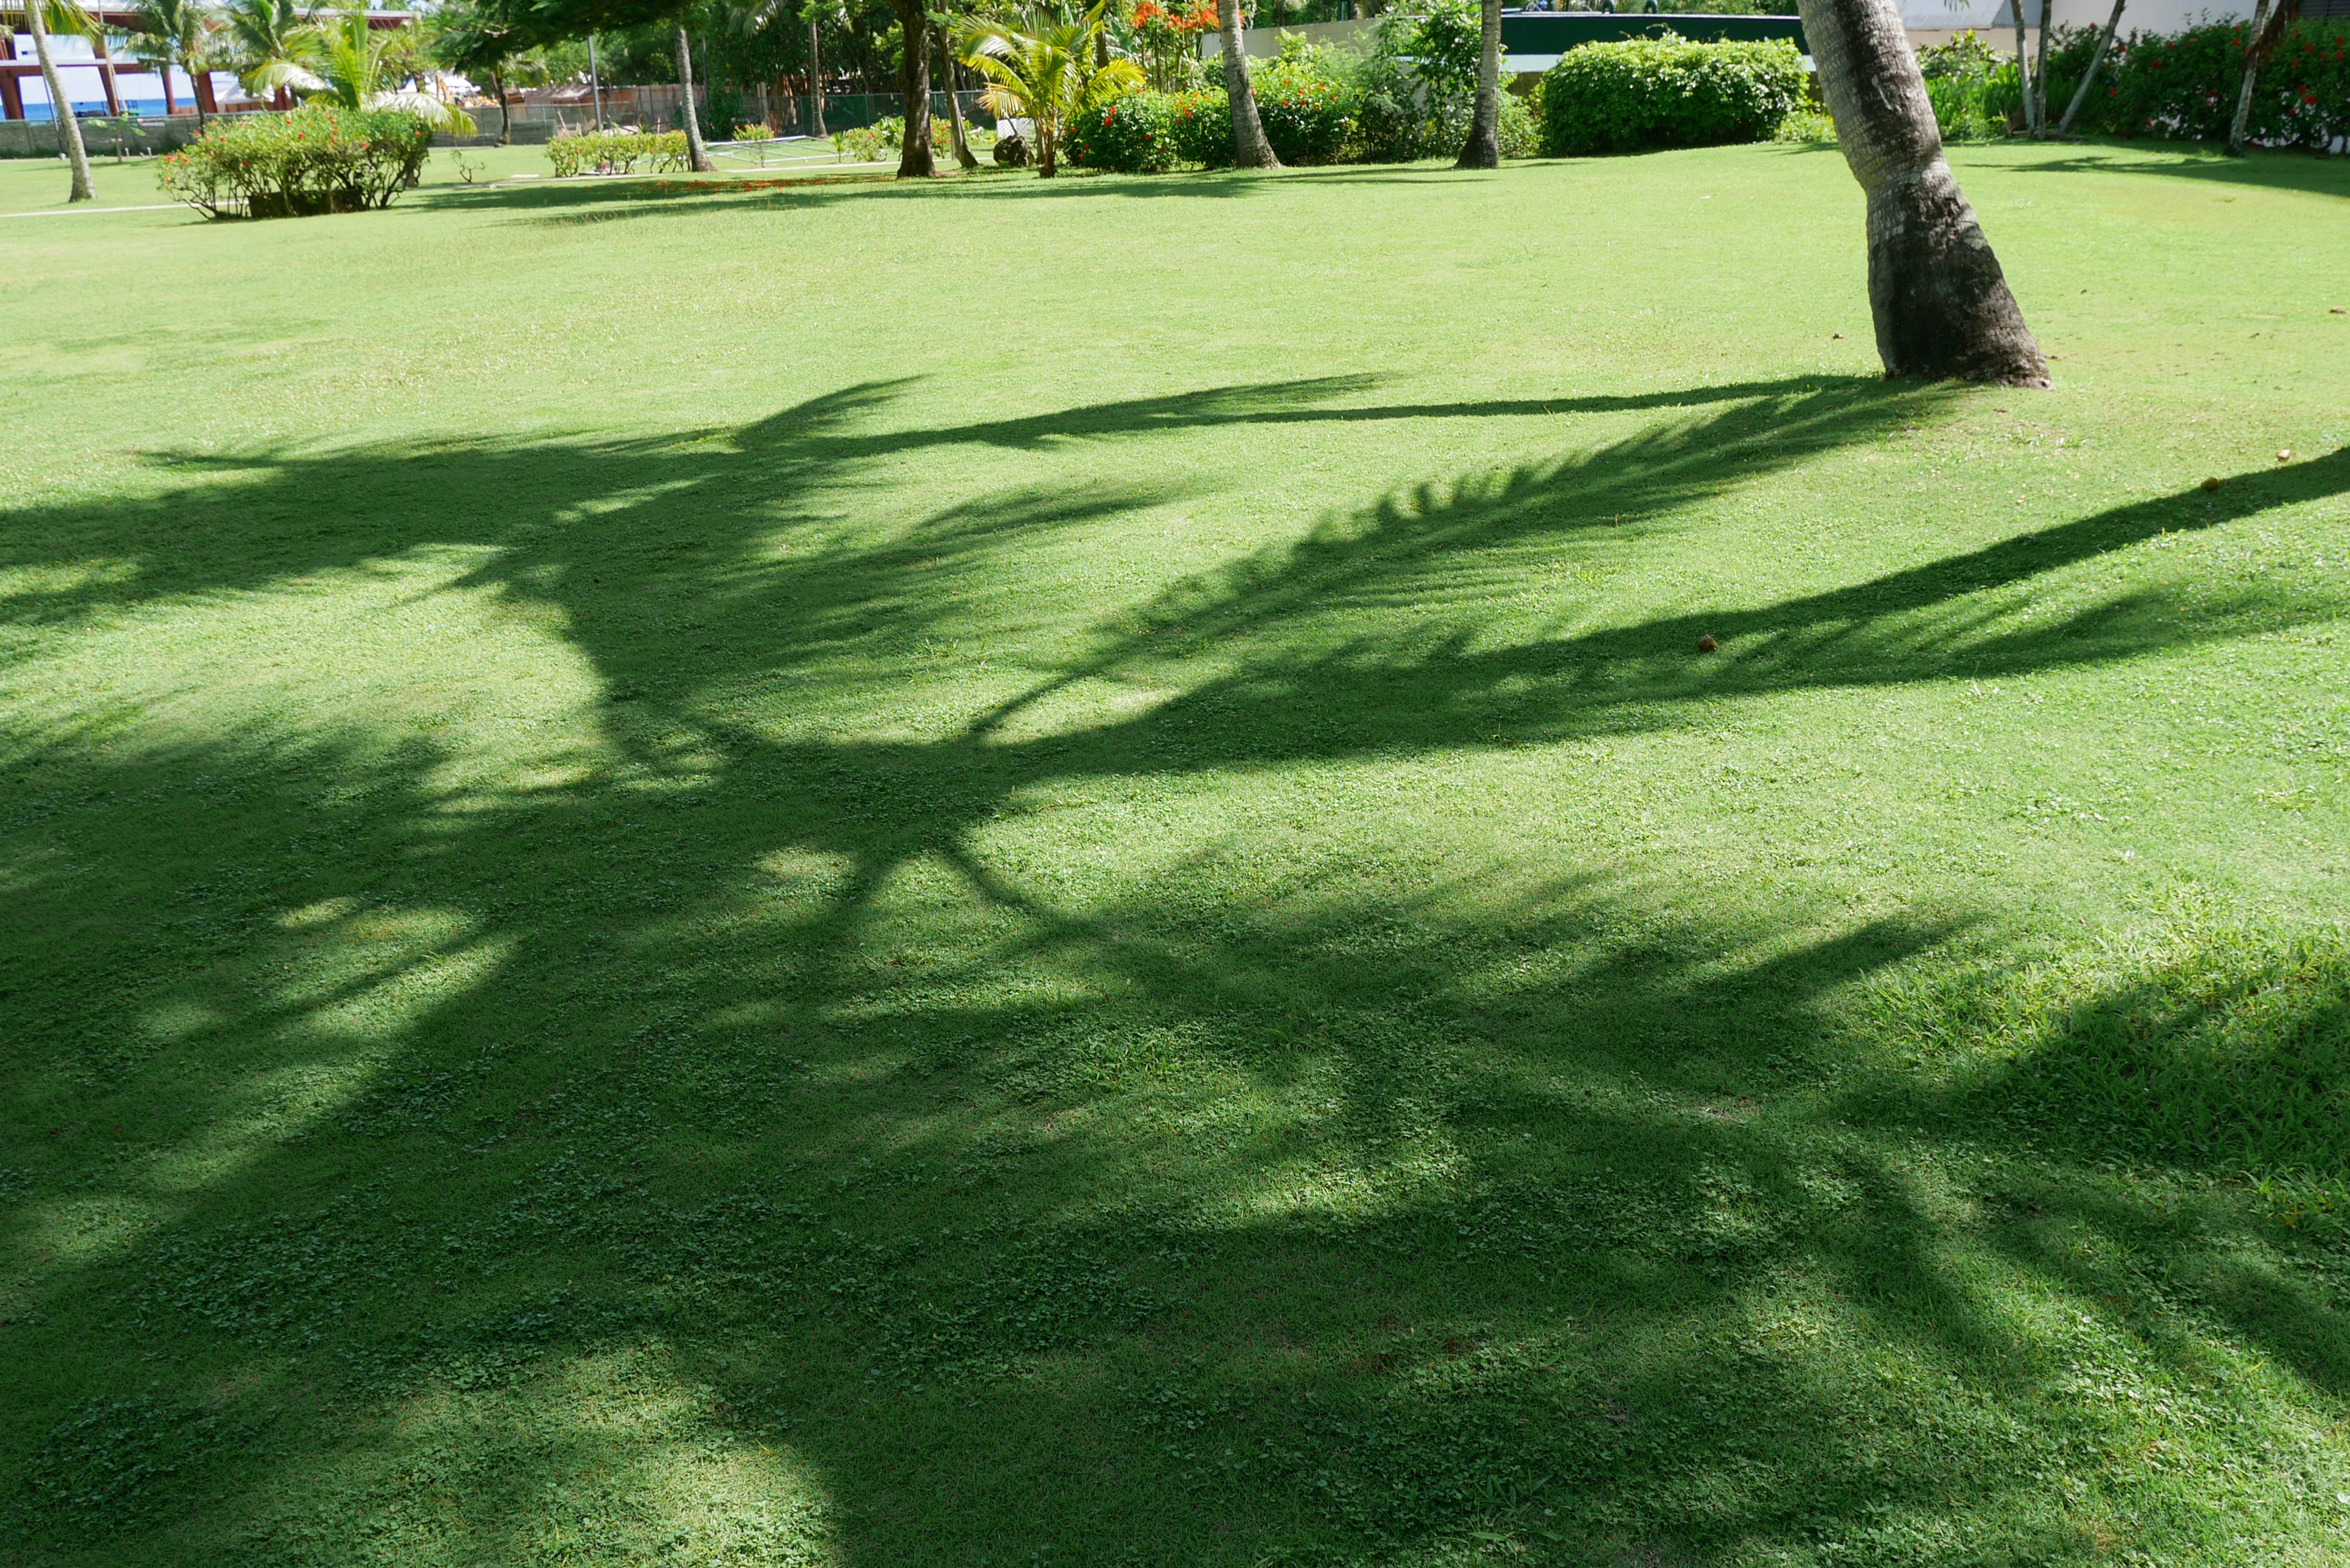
x=175, y=34
x=697, y=150
x=40, y=18
x=1043, y=69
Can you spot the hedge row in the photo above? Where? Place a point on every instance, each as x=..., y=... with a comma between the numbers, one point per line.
x=2185, y=85
x=619, y=150
x=1668, y=92
x=318, y=159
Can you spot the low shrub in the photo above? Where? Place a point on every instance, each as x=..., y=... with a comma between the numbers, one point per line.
x=2184, y=85
x=617, y=151
x=318, y=159
x=1668, y=92
x=1804, y=125
x=1132, y=133
x=1521, y=126
x=885, y=137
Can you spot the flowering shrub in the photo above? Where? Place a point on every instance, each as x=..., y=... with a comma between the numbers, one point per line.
x=2184, y=85
x=1668, y=92
x=619, y=150
x=318, y=159
x=1306, y=108
x=1133, y=133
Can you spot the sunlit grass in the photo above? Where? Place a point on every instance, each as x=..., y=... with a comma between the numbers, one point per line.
x=665, y=905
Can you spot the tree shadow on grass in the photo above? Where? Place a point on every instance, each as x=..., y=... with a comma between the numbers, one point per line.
x=2265, y=171
x=575, y=1107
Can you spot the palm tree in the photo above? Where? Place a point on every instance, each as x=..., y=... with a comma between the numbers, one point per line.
x=40, y=18
x=1942, y=306
x=697, y=150
x=1251, y=150
x=475, y=39
x=175, y=34
x=1043, y=70
x=914, y=159
x=349, y=64
x=264, y=35
x=1483, y=148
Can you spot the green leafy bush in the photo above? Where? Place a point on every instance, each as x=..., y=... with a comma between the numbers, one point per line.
x=318, y=159
x=1306, y=105
x=1132, y=133
x=2184, y=85
x=1668, y=92
x=1521, y=126
x=619, y=150
x=885, y=137
x=1804, y=125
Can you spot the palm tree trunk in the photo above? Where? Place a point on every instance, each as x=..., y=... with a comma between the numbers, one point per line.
x=506, y=110
x=2081, y=93
x=1250, y=148
x=2022, y=65
x=60, y=106
x=914, y=159
x=2269, y=19
x=1483, y=148
x=2039, y=70
x=1942, y=305
x=964, y=157
x=697, y=150
x=815, y=79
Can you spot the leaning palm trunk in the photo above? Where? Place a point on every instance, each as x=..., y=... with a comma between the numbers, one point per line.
x=914, y=158
x=697, y=150
x=2088, y=78
x=1942, y=305
x=1250, y=148
x=60, y=106
x=1483, y=148
x=2269, y=19
x=964, y=157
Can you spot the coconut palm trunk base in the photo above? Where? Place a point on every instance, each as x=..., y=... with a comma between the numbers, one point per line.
x=697, y=150
x=915, y=160
x=1942, y=307
x=1250, y=148
x=68, y=127
x=1482, y=149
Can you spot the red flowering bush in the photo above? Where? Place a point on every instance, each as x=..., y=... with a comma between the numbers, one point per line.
x=318, y=159
x=2184, y=85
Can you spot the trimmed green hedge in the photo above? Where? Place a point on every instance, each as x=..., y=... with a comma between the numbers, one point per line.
x=1668, y=92
x=318, y=159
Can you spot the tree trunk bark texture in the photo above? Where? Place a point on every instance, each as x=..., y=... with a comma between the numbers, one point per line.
x=1483, y=148
x=1250, y=148
x=1942, y=305
x=2022, y=67
x=914, y=159
x=505, y=110
x=815, y=79
x=697, y=152
x=2269, y=19
x=60, y=106
x=963, y=156
x=2089, y=77
x=2040, y=69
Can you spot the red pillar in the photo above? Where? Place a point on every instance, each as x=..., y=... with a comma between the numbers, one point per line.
x=12, y=96
x=106, y=79
x=205, y=99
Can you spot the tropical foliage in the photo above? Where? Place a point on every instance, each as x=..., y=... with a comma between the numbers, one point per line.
x=617, y=151
x=322, y=158
x=1045, y=70
x=345, y=62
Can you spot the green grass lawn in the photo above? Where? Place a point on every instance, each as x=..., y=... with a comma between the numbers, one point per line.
x=1033, y=873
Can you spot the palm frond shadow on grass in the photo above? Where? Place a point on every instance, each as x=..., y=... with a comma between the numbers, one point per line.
x=741, y=1079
